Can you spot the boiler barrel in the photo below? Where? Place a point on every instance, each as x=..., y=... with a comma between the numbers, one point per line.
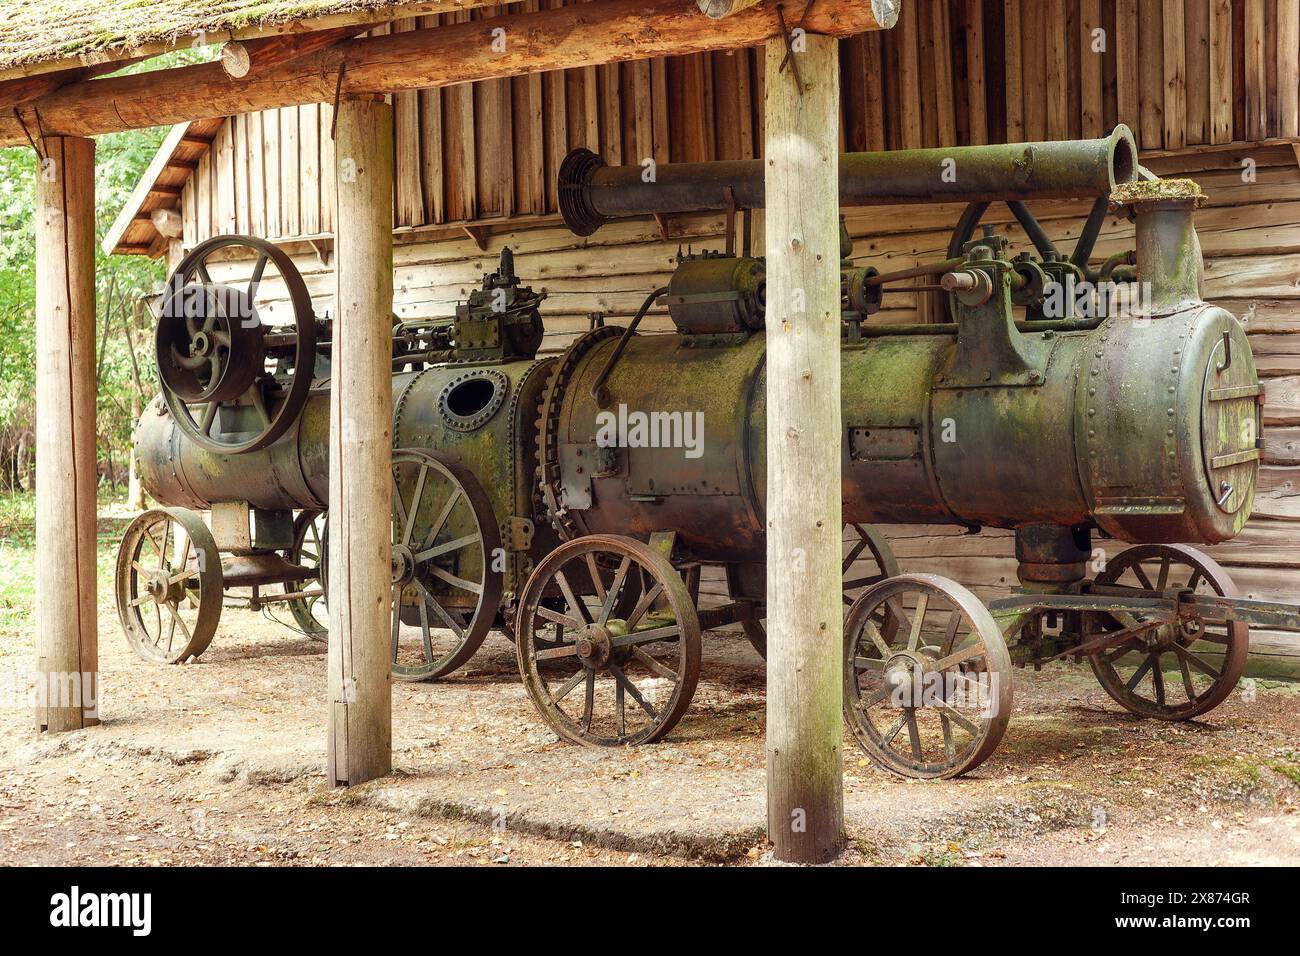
x=1135, y=428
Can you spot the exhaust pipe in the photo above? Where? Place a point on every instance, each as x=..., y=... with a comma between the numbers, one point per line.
x=592, y=193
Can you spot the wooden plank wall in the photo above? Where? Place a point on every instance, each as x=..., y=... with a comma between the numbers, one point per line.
x=1008, y=75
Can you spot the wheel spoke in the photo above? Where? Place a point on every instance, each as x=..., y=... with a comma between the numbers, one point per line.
x=643, y=605
x=396, y=620
x=576, y=607
x=968, y=653
x=1157, y=679
x=570, y=684
x=443, y=515
x=852, y=556
x=914, y=734
x=455, y=581
x=615, y=589
x=415, y=505
x=209, y=416
x=949, y=750
x=890, y=734
x=1162, y=579
x=647, y=636
x=1188, y=686
x=654, y=666
x=1141, y=575
x=632, y=690
x=1196, y=661
x=596, y=581
x=259, y=404
x=555, y=617
x=873, y=632
x=256, y=279
x=440, y=611
x=589, y=701
x=176, y=619
x=922, y=605
x=947, y=710
x=447, y=547
x=1139, y=674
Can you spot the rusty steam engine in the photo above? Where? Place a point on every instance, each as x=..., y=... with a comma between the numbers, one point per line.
x=577, y=500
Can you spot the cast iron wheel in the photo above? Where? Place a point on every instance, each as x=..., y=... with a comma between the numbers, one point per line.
x=868, y=560
x=168, y=583
x=581, y=664
x=446, y=590
x=1132, y=670
x=310, y=612
x=212, y=351
x=927, y=677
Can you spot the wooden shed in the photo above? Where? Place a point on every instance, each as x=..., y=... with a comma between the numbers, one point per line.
x=1209, y=87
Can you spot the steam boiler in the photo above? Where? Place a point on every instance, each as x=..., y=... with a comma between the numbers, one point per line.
x=578, y=500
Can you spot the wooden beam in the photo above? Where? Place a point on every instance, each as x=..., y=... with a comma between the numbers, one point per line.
x=22, y=90
x=1288, y=67
x=360, y=460
x=717, y=9
x=239, y=58
x=67, y=637
x=805, y=798
x=1220, y=71
x=583, y=35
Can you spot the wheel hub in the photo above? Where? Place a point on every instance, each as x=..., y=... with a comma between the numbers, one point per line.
x=403, y=565
x=593, y=646
x=157, y=586
x=903, y=670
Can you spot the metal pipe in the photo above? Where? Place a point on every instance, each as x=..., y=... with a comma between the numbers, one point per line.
x=592, y=193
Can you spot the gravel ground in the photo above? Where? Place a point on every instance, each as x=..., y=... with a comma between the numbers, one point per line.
x=220, y=762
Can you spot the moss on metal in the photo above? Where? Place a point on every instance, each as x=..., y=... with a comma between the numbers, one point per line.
x=1155, y=190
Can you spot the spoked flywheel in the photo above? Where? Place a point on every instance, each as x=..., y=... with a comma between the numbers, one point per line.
x=868, y=560
x=232, y=383
x=1153, y=667
x=616, y=658
x=927, y=677
x=169, y=587
x=447, y=575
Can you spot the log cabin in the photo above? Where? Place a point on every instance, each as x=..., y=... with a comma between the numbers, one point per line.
x=1209, y=88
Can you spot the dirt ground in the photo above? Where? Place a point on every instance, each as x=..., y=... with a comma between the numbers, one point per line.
x=221, y=762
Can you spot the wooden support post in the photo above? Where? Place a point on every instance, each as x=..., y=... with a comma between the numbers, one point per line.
x=805, y=800
x=67, y=640
x=361, y=424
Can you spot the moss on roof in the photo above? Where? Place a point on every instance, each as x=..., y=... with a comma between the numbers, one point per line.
x=34, y=33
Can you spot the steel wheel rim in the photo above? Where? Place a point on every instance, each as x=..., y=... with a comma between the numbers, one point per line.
x=1155, y=567
x=185, y=573
x=625, y=667
x=955, y=635
x=311, y=613
x=445, y=543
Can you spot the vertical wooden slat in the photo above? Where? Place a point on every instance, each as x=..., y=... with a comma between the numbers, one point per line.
x=945, y=101
x=1090, y=69
x=976, y=92
x=1175, y=75
x=659, y=98
x=67, y=636
x=1014, y=97
x=611, y=127
x=239, y=168
x=1288, y=68
x=911, y=117
x=256, y=173
x=328, y=193
x=493, y=148
x=644, y=148
x=557, y=135
x=1196, y=18
x=727, y=113
x=225, y=172
x=271, y=170
x=406, y=119
x=189, y=211
x=1256, y=89
x=1221, y=70
x=290, y=173
x=1151, y=73
x=1033, y=43
x=309, y=156
x=1127, y=82
x=1058, y=37
x=591, y=107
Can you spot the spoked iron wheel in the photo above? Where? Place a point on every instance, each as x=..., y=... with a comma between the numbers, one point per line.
x=446, y=590
x=927, y=677
x=169, y=588
x=868, y=560
x=1155, y=671
x=232, y=384
x=308, y=551
x=618, y=663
